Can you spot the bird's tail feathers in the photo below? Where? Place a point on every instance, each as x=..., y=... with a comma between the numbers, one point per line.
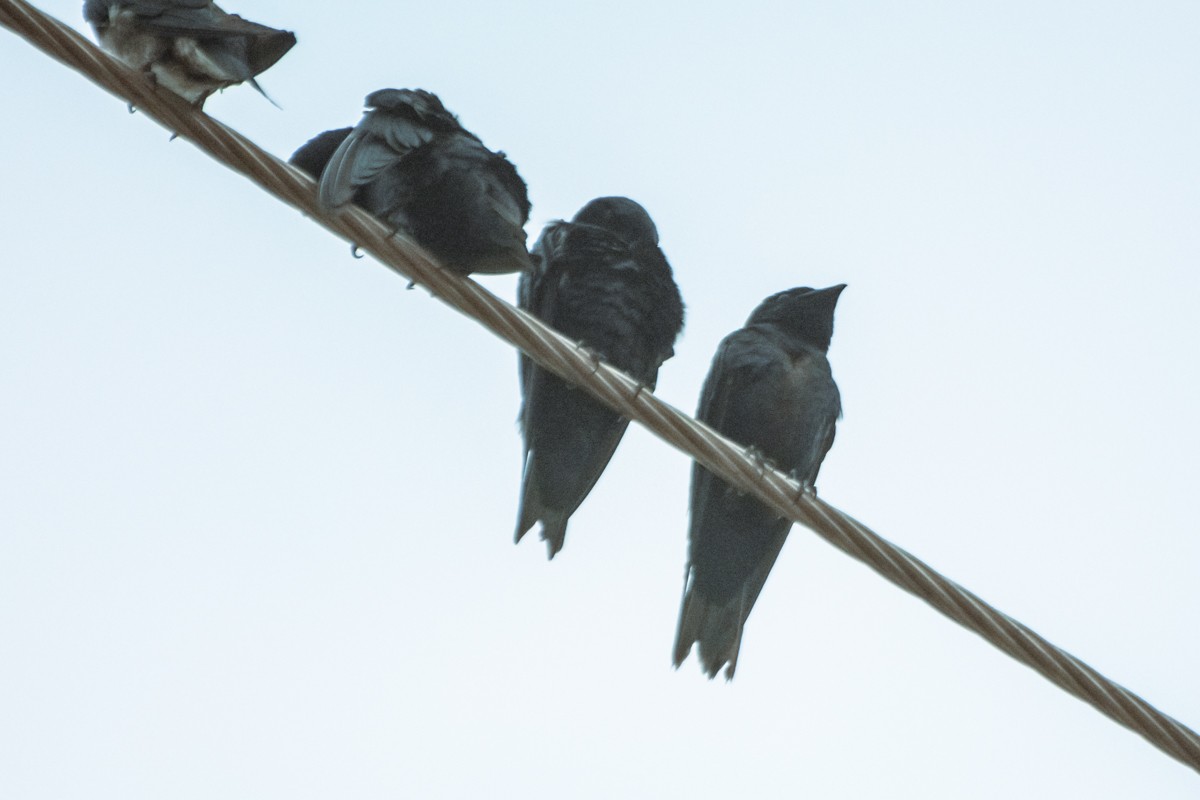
x=261, y=91
x=511, y=258
x=529, y=509
x=532, y=510
x=554, y=533
x=716, y=629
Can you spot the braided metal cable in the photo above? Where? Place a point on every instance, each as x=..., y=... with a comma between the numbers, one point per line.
x=564, y=357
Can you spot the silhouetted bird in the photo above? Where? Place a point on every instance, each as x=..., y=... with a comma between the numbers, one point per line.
x=411, y=164
x=191, y=47
x=770, y=388
x=600, y=279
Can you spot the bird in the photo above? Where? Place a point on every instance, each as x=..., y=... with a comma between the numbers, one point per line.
x=602, y=280
x=770, y=388
x=411, y=164
x=191, y=47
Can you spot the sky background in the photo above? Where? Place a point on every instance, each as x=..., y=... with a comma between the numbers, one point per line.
x=257, y=500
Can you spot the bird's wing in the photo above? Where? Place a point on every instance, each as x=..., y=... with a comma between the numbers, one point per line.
x=535, y=292
x=490, y=194
x=390, y=130
x=151, y=8
x=816, y=404
x=664, y=319
x=719, y=410
x=744, y=399
x=192, y=18
x=507, y=191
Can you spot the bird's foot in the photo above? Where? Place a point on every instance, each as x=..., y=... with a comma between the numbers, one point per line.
x=590, y=354
x=804, y=488
x=760, y=460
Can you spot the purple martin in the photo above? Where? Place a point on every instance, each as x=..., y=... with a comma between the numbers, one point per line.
x=769, y=388
x=600, y=279
x=414, y=167
x=191, y=47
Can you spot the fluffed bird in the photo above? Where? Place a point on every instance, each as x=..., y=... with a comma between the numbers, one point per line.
x=191, y=47
x=414, y=167
x=600, y=279
x=770, y=388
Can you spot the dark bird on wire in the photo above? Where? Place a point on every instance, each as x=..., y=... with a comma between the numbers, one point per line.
x=191, y=47
x=600, y=279
x=770, y=388
x=411, y=164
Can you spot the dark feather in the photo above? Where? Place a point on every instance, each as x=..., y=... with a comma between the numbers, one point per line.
x=770, y=388
x=608, y=286
x=412, y=165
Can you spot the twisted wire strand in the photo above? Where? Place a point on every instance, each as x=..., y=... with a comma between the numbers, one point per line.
x=566, y=358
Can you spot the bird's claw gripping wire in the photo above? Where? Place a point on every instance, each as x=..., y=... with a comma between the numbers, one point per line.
x=591, y=355
x=804, y=488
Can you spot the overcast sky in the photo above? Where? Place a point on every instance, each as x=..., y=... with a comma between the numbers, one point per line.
x=257, y=500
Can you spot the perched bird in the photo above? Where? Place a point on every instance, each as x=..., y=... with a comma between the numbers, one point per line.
x=191, y=47
x=411, y=164
x=770, y=388
x=600, y=279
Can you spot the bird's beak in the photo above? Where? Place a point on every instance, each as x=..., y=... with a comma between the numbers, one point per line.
x=829, y=294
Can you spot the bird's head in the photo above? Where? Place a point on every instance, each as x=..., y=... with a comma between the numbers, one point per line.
x=621, y=216
x=802, y=312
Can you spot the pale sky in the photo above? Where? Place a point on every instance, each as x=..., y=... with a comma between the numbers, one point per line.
x=257, y=500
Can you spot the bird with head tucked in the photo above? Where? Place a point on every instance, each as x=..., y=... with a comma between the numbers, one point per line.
x=602, y=280
x=411, y=164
